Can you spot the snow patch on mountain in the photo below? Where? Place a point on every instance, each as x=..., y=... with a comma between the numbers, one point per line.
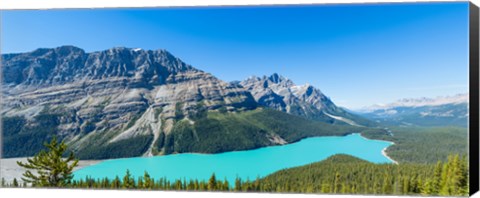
x=350, y=122
x=416, y=102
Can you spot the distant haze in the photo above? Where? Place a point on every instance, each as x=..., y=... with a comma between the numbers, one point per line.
x=418, y=102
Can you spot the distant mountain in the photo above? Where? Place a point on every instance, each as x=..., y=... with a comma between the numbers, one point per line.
x=125, y=102
x=280, y=93
x=440, y=111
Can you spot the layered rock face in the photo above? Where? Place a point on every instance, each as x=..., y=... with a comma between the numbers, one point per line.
x=280, y=93
x=121, y=92
x=125, y=102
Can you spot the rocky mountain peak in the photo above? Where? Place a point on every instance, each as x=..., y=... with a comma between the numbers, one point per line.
x=280, y=93
x=54, y=66
x=275, y=78
x=68, y=49
x=122, y=91
x=278, y=79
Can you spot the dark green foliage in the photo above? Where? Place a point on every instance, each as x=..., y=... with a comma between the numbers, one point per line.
x=130, y=147
x=294, y=128
x=169, y=144
x=50, y=170
x=128, y=182
x=212, y=183
x=15, y=182
x=213, y=135
x=160, y=141
x=178, y=111
x=22, y=139
x=147, y=182
x=220, y=132
x=339, y=174
x=200, y=111
x=350, y=175
x=424, y=144
x=13, y=125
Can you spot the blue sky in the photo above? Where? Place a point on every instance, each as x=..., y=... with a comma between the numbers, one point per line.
x=357, y=54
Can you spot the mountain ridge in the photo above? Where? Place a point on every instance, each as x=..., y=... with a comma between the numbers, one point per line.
x=129, y=102
x=280, y=93
x=417, y=102
x=439, y=111
x=102, y=92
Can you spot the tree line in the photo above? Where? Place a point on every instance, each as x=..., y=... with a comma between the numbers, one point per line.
x=339, y=174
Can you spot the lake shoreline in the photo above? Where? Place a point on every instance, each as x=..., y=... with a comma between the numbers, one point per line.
x=384, y=151
x=9, y=169
x=248, y=163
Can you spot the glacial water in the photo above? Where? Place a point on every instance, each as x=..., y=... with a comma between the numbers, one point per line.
x=248, y=164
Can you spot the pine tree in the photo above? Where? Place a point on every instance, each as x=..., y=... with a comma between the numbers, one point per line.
x=225, y=185
x=196, y=185
x=444, y=182
x=15, y=182
x=376, y=186
x=386, y=186
x=128, y=181
x=212, y=183
x=53, y=171
x=437, y=178
x=344, y=188
x=464, y=188
x=456, y=175
x=116, y=183
x=140, y=183
x=336, y=183
x=148, y=184
x=406, y=185
x=427, y=188
x=238, y=184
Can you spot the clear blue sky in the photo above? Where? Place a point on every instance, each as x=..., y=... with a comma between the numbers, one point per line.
x=357, y=55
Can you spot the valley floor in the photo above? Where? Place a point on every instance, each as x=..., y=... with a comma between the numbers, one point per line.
x=10, y=170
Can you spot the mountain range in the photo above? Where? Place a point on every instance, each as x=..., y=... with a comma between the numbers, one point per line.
x=440, y=111
x=280, y=93
x=125, y=102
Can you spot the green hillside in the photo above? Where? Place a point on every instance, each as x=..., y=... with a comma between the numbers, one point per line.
x=206, y=132
x=219, y=132
x=349, y=175
x=423, y=144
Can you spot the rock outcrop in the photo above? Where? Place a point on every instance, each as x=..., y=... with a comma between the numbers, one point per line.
x=280, y=93
x=121, y=92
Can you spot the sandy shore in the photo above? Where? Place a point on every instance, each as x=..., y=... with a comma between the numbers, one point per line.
x=10, y=170
x=384, y=151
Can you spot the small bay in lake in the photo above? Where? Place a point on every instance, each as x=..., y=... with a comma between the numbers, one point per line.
x=248, y=164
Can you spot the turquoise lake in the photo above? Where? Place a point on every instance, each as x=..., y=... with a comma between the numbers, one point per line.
x=248, y=164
